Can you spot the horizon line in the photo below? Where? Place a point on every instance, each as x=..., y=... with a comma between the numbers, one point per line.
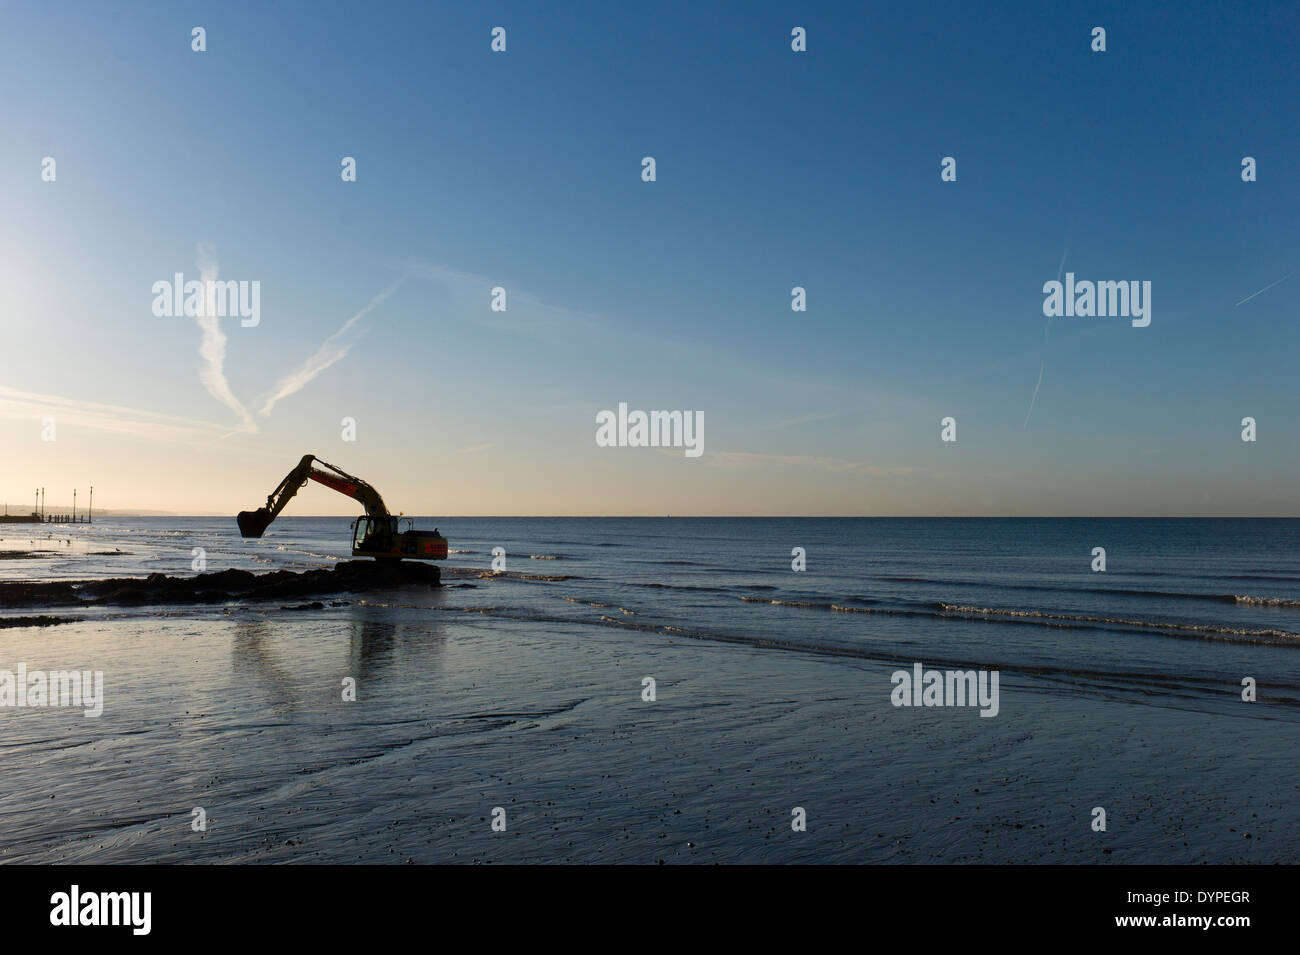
x=714, y=517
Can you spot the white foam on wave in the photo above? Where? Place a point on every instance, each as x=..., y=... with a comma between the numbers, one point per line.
x=1267, y=601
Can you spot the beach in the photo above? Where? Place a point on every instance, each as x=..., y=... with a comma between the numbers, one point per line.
x=470, y=699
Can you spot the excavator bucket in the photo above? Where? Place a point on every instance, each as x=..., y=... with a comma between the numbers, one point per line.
x=253, y=523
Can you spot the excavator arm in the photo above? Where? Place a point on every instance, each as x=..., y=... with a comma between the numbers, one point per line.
x=255, y=523
x=376, y=535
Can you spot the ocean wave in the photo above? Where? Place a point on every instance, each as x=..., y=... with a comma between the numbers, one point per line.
x=307, y=553
x=808, y=604
x=516, y=575
x=726, y=589
x=1267, y=601
x=657, y=586
x=952, y=611
x=814, y=604
x=1110, y=591
x=1269, y=635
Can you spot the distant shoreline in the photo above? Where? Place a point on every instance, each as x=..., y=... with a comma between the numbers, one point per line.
x=751, y=517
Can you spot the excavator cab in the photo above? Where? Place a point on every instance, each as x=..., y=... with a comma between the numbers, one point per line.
x=383, y=537
x=373, y=536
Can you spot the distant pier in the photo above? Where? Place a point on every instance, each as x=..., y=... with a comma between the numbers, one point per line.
x=38, y=515
x=8, y=518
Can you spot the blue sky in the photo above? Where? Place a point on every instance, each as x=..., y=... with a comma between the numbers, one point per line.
x=774, y=169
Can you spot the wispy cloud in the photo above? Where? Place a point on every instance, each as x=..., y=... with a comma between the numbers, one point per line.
x=469, y=297
x=212, y=346
x=803, y=419
x=326, y=355
x=33, y=406
x=473, y=449
x=749, y=459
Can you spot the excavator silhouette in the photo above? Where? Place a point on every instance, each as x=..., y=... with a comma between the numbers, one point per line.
x=378, y=534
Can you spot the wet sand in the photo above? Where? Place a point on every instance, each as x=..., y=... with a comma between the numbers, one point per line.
x=44, y=544
x=458, y=713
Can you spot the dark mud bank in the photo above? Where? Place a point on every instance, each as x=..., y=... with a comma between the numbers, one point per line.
x=353, y=576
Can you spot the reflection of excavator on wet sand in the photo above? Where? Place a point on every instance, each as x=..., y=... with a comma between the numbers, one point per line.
x=378, y=534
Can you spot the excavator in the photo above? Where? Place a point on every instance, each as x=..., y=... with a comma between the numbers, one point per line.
x=378, y=534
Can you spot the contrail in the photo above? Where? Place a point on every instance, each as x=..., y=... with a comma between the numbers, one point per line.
x=1036, y=387
x=212, y=348
x=1042, y=364
x=326, y=355
x=1266, y=288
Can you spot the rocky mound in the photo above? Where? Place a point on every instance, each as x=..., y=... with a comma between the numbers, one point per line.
x=352, y=576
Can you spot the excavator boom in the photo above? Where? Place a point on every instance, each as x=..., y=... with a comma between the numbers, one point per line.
x=352, y=487
x=377, y=534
